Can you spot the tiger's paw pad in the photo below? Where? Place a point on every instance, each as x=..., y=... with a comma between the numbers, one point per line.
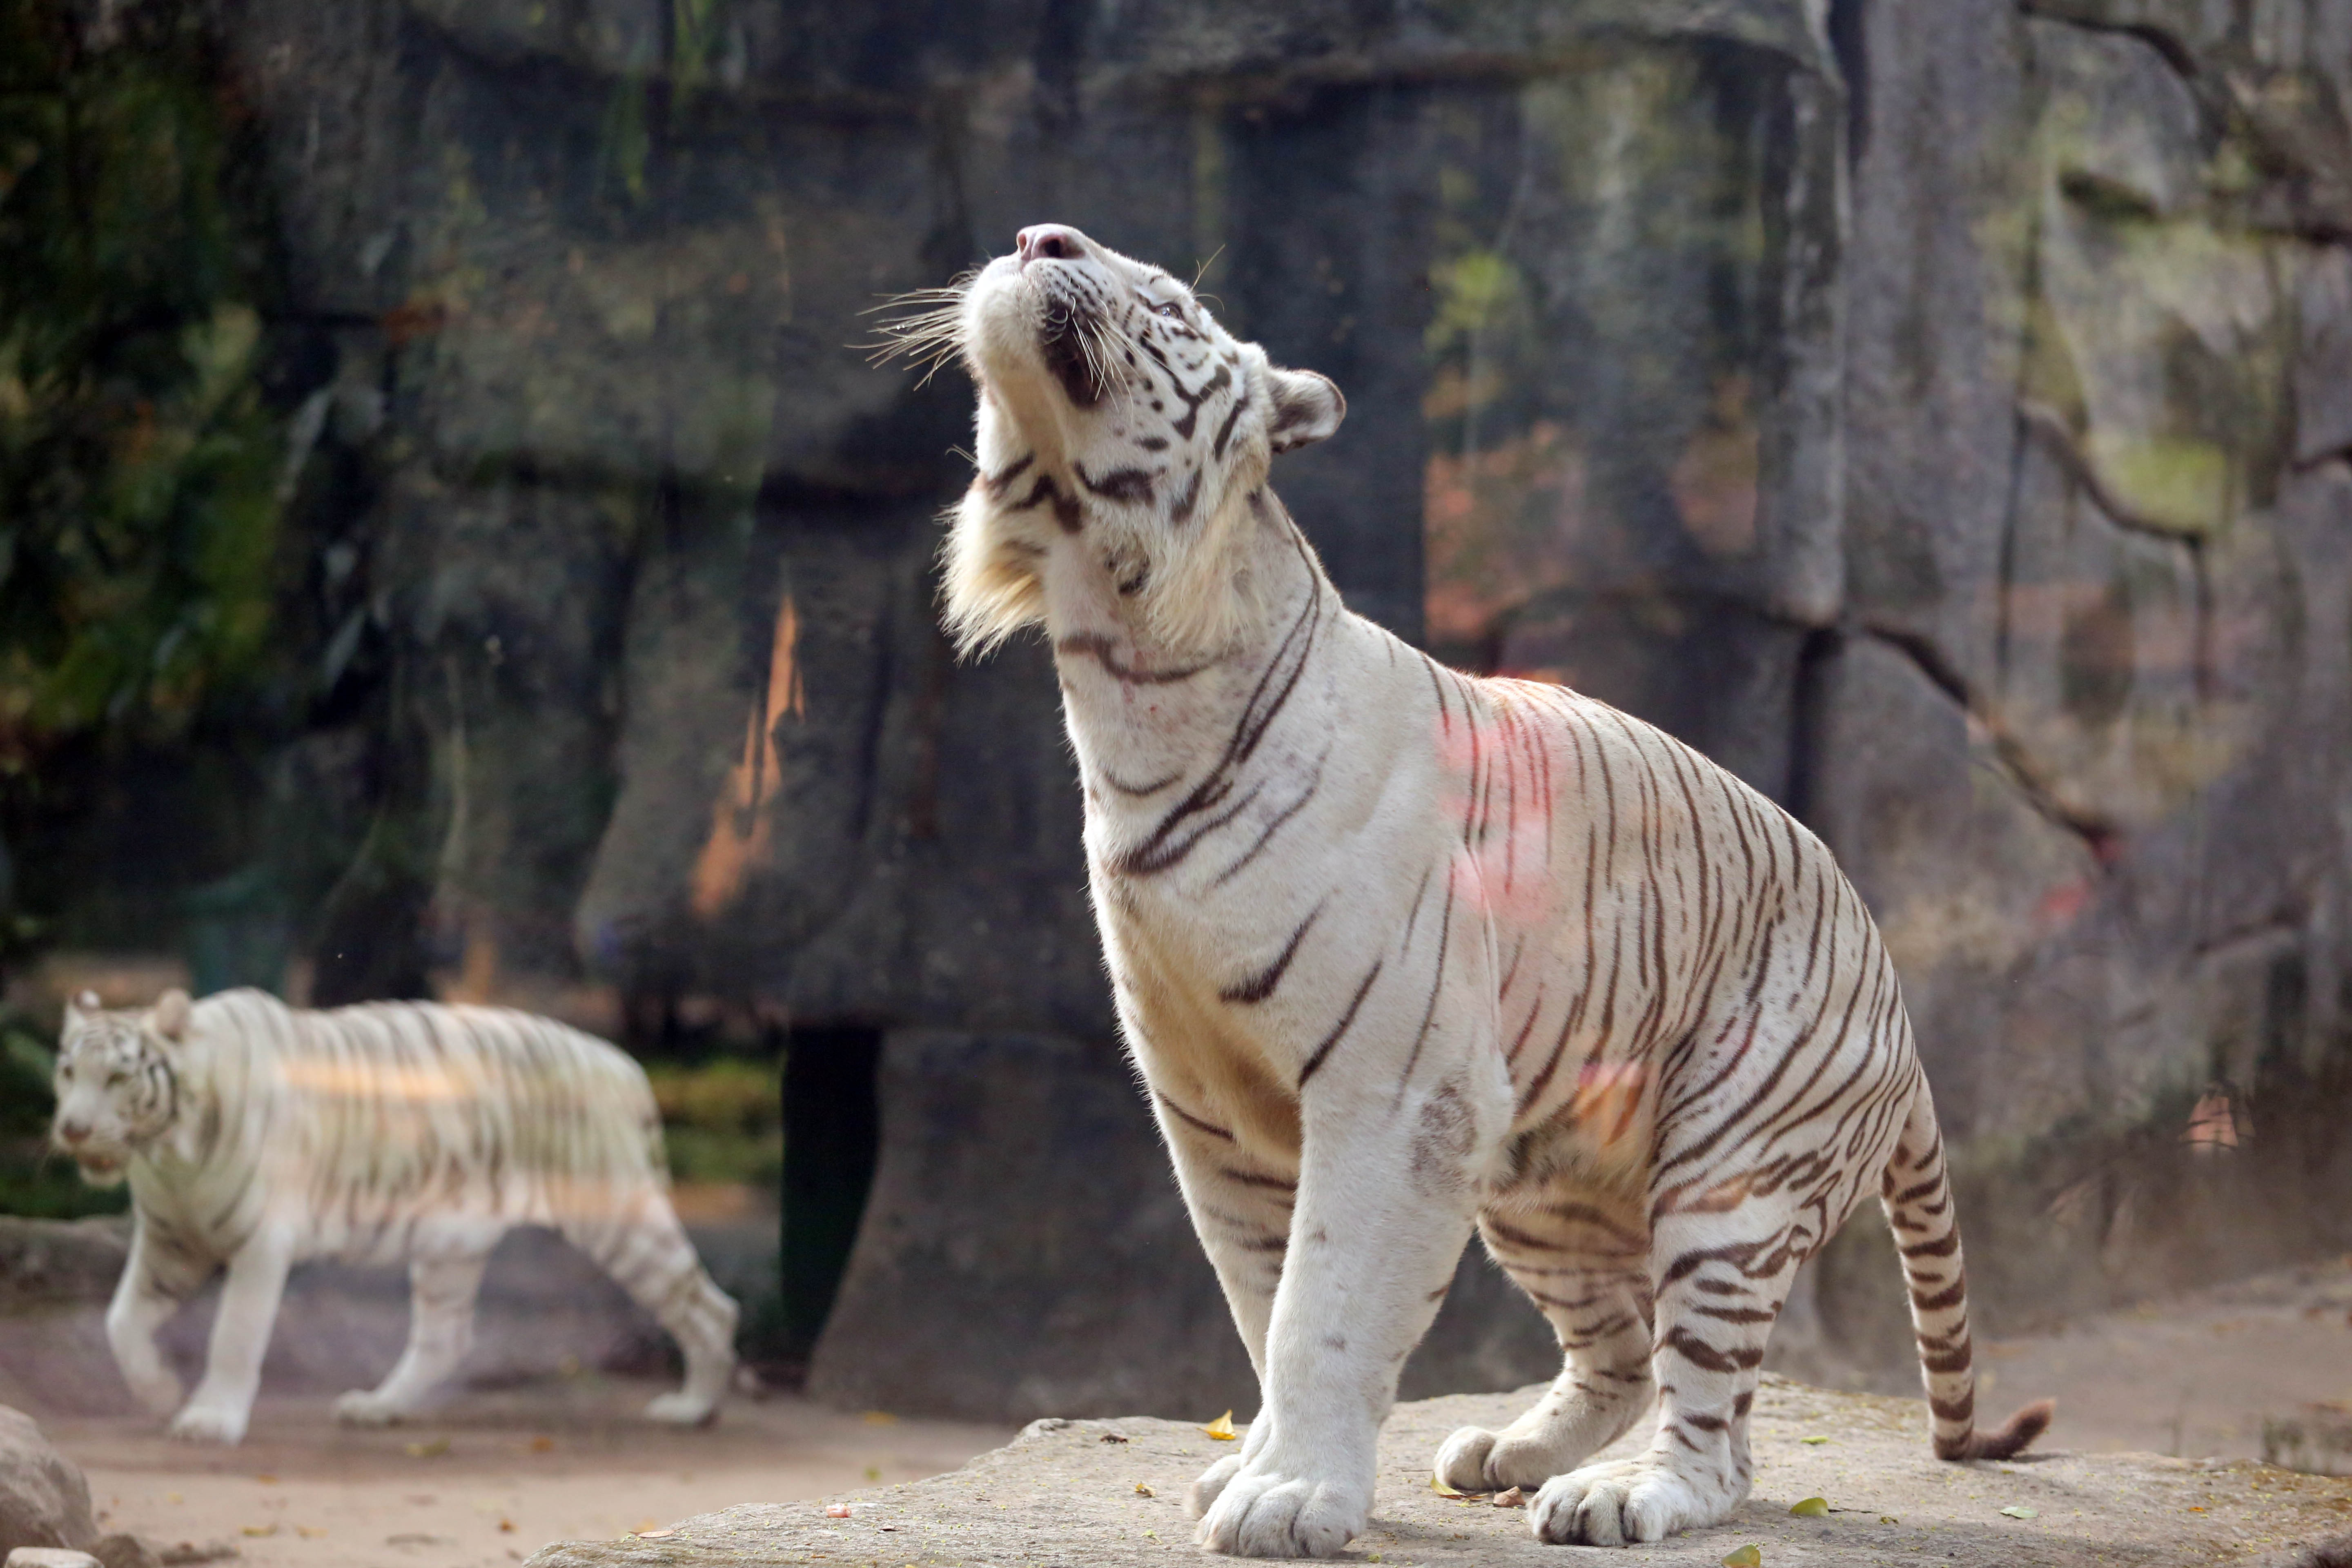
x=1202, y=1495
x=209, y=1424
x=1618, y=1504
x=1267, y=1514
x=683, y=1409
x=1461, y=1460
x=365, y=1407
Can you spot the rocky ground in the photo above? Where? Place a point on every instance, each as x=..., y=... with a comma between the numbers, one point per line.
x=1110, y=1493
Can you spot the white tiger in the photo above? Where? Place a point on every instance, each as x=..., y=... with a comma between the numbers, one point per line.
x=1399, y=951
x=255, y=1135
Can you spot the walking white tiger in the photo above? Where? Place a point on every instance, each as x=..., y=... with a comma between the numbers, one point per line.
x=1399, y=951
x=256, y=1136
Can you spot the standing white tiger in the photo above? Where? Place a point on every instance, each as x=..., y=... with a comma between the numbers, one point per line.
x=256, y=1136
x=1399, y=951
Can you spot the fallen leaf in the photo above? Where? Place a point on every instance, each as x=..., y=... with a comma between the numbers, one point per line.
x=174, y=1496
x=1515, y=1498
x=2015, y=1512
x=836, y=1511
x=1112, y=1438
x=655, y=1535
x=506, y=1527
x=1812, y=1442
x=1142, y=1490
x=542, y=1444
x=1441, y=1490
x=1812, y=1508
x=879, y=1418
x=260, y=1530
x=1222, y=1429
x=1748, y=1556
x=1888, y=1519
x=430, y=1450
x=2196, y=1509
x=266, y=1480
x=308, y=1531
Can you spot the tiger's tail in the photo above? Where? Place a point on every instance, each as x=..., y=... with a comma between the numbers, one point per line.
x=1918, y=1203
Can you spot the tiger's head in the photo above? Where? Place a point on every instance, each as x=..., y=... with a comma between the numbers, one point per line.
x=117, y=1085
x=1121, y=429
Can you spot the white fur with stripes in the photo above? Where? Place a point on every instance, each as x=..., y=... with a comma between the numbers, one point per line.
x=1400, y=952
x=255, y=1135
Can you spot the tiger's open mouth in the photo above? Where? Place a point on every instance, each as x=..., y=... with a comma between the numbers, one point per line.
x=97, y=1167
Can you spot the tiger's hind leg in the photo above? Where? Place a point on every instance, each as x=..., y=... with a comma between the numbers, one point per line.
x=1584, y=1261
x=647, y=1252
x=1721, y=1281
x=441, y=1295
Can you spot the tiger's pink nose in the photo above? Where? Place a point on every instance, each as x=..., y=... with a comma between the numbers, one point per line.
x=1050, y=242
x=73, y=1131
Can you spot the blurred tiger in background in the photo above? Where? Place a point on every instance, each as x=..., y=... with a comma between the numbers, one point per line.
x=255, y=1136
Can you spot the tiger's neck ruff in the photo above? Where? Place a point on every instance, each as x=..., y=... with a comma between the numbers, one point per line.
x=1400, y=951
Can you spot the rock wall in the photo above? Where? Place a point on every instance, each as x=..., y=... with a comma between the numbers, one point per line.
x=1940, y=413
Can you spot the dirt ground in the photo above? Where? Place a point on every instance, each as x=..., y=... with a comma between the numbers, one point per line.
x=494, y=1477
x=499, y=1473
x=2193, y=1377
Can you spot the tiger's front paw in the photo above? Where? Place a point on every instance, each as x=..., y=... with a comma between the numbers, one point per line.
x=1623, y=1503
x=682, y=1409
x=1202, y=1495
x=367, y=1407
x=206, y=1423
x=1261, y=1512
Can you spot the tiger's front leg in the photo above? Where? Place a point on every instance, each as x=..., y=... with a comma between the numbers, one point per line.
x=249, y=1310
x=1240, y=1201
x=1387, y=1190
x=156, y=1278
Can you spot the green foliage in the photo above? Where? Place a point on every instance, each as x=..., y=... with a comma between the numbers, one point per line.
x=139, y=468
x=723, y=1122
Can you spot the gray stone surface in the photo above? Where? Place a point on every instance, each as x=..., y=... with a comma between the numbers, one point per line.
x=48, y=1262
x=43, y=1501
x=1075, y=1492
x=1078, y=1285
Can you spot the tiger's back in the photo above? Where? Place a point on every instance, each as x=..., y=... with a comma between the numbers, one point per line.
x=359, y=1123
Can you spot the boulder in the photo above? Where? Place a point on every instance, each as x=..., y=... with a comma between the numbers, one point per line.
x=1022, y=1180
x=51, y=1262
x=1112, y=1492
x=44, y=1501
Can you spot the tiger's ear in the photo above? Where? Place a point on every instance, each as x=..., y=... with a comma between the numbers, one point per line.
x=1306, y=408
x=80, y=1005
x=169, y=1017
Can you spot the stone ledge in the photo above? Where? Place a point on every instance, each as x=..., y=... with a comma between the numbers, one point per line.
x=1067, y=1492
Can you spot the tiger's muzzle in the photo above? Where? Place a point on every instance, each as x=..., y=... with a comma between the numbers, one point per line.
x=1053, y=292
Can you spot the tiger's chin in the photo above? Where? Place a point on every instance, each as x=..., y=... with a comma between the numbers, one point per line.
x=100, y=1170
